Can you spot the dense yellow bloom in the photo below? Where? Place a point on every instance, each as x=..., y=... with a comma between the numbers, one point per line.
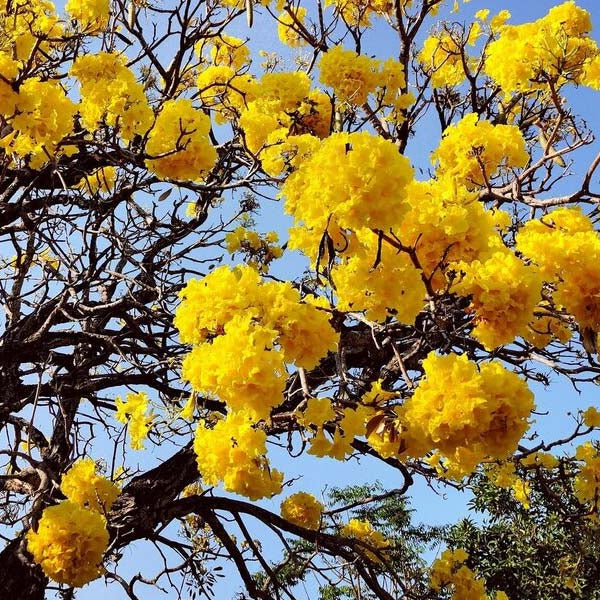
x=353, y=181
x=234, y=452
x=82, y=484
x=26, y=27
x=133, y=412
x=302, y=509
x=9, y=69
x=473, y=152
x=587, y=481
x=449, y=571
x=567, y=249
x=364, y=532
x=69, y=543
x=442, y=57
x=360, y=287
x=229, y=51
x=468, y=415
x=257, y=328
x=447, y=223
x=504, y=294
x=44, y=117
x=224, y=91
x=591, y=417
x=287, y=30
x=178, y=145
x=352, y=76
x=554, y=49
x=241, y=367
x=92, y=14
x=110, y=93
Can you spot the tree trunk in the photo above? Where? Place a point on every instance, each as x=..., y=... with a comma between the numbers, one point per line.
x=20, y=579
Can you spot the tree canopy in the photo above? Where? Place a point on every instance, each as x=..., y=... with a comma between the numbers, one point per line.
x=222, y=257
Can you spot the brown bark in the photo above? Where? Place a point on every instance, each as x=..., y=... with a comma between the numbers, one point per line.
x=20, y=578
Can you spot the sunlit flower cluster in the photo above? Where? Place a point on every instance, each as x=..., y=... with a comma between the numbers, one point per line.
x=587, y=481
x=133, y=412
x=234, y=452
x=84, y=486
x=363, y=187
x=553, y=50
x=504, y=292
x=467, y=414
x=244, y=332
x=178, y=146
x=44, y=117
x=450, y=572
x=69, y=543
x=567, y=250
x=475, y=151
x=302, y=509
x=111, y=94
x=92, y=15
x=374, y=541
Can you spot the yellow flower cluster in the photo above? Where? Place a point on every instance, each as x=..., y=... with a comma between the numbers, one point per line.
x=26, y=28
x=92, y=15
x=473, y=152
x=228, y=51
x=567, y=250
x=555, y=49
x=178, y=145
x=111, y=94
x=287, y=29
x=283, y=120
x=503, y=475
x=225, y=92
x=82, y=484
x=100, y=181
x=546, y=327
x=133, y=412
x=446, y=223
x=363, y=184
x=591, y=417
x=466, y=414
x=360, y=287
x=504, y=294
x=352, y=423
x=302, y=509
x=587, y=481
x=359, y=12
x=364, y=532
x=234, y=452
x=244, y=332
x=354, y=76
x=44, y=117
x=69, y=543
x=259, y=249
x=442, y=56
x=449, y=571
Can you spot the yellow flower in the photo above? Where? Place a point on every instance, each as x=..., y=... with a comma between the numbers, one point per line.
x=302, y=509
x=234, y=452
x=372, y=539
x=82, y=485
x=69, y=543
x=133, y=413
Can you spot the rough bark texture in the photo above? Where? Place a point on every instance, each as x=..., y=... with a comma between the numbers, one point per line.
x=19, y=579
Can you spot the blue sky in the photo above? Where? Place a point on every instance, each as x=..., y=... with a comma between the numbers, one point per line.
x=316, y=474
